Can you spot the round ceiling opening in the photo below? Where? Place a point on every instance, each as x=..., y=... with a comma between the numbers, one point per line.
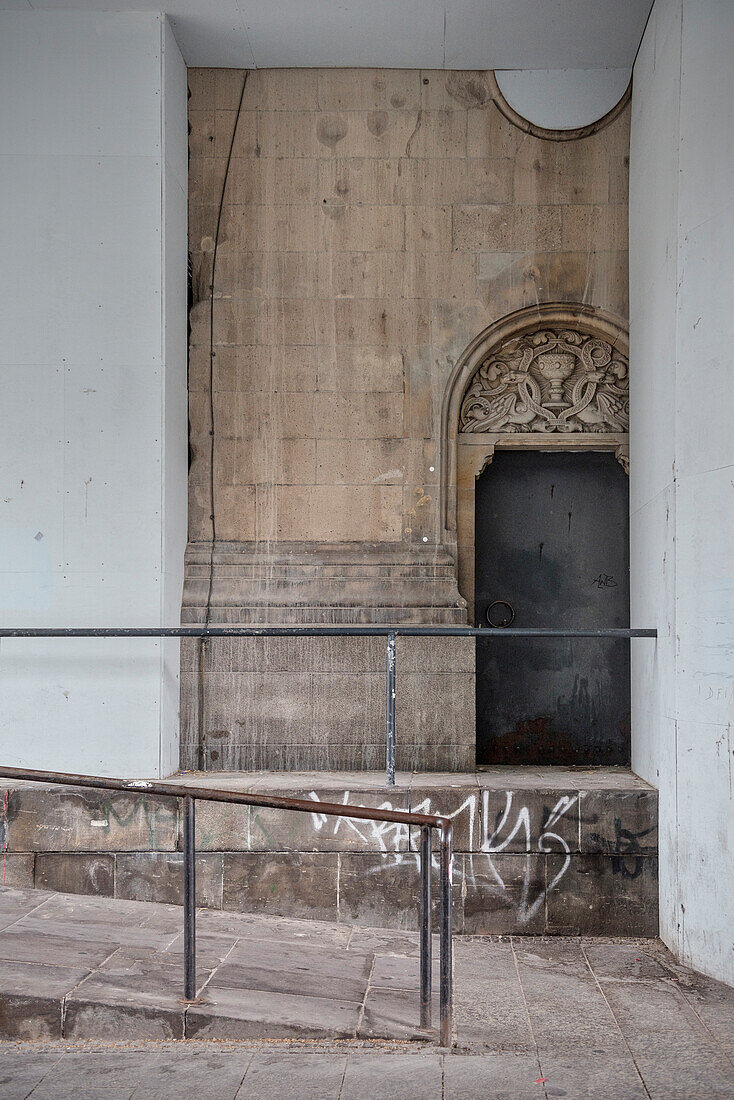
x=563, y=100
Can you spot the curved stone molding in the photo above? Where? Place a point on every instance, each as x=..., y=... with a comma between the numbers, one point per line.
x=552, y=380
x=554, y=135
x=554, y=316
x=552, y=376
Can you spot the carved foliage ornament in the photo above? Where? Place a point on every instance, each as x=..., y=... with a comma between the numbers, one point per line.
x=551, y=380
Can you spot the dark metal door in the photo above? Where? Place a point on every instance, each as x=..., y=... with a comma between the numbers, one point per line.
x=552, y=541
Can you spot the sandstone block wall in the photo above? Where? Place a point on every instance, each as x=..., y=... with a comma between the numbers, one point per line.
x=373, y=223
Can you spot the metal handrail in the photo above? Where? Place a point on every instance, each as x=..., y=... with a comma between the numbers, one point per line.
x=190, y=794
x=370, y=630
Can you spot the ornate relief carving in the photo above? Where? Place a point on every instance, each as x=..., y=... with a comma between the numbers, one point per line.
x=551, y=380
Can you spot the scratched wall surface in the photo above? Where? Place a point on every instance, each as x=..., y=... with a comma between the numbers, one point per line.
x=552, y=857
x=681, y=338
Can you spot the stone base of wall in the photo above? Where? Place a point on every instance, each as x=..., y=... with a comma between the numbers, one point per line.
x=321, y=582
x=303, y=704
x=548, y=851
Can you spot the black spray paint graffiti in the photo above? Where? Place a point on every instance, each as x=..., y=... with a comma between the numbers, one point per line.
x=628, y=857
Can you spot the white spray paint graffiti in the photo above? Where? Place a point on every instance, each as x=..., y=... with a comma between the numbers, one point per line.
x=515, y=819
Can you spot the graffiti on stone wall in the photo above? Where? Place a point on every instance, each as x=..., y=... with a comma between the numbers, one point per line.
x=517, y=827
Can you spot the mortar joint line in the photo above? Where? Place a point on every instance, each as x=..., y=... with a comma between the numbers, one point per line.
x=614, y=1017
x=527, y=1010
x=49, y=1070
x=92, y=970
x=344, y=1074
x=28, y=914
x=690, y=1007
x=363, y=1006
x=213, y=972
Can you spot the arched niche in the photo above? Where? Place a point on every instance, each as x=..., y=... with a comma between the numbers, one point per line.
x=549, y=377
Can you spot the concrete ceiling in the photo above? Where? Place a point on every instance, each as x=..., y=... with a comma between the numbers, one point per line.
x=428, y=34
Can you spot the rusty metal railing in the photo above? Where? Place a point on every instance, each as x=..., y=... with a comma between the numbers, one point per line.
x=189, y=795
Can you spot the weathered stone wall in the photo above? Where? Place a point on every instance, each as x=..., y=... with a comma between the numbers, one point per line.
x=570, y=854
x=373, y=223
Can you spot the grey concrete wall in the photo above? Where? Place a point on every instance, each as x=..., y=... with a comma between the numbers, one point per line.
x=682, y=451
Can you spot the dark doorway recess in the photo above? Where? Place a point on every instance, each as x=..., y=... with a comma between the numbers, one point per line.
x=552, y=543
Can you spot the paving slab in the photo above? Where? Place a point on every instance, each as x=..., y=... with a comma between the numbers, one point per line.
x=490, y=1006
x=233, y=1013
x=394, y=1012
x=399, y=1077
x=591, y=1074
x=293, y=1077
x=20, y=1072
x=688, y=1054
x=52, y=947
x=605, y=1017
x=208, y=1072
x=31, y=996
x=492, y=1077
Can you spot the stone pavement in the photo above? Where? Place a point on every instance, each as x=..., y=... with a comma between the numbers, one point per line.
x=535, y=1017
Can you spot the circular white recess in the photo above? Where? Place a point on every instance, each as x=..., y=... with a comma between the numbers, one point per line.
x=562, y=99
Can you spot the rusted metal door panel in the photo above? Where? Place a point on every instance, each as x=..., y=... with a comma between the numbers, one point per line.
x=552, y=541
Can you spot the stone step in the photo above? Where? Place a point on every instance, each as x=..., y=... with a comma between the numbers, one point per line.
x=539, y=851
x=94, y=968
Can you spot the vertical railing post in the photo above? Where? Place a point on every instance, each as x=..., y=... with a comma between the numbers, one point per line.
x=425, y=929
x=189, y=846
x=390, y=711
x=446, y=962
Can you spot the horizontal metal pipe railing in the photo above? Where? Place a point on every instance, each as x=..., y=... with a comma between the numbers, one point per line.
x=316, y=631
x=190, y=794
x=370, y=630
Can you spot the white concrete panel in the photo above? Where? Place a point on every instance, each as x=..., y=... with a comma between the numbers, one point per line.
x=705, y=119
x=31, y=488
x=706, y=847
x=93, y=388
x=682, y=330
x=211, y=34
x=408, y=34
x=94, y=703
x=505, y=34
x=66, y=55
x=524, y=34
x=563, y=99
x=85, y=286
x=112, y=469
x=653, y=351
x=655, y=124
x=175, y=110
x=705, y=597
x=174, y=428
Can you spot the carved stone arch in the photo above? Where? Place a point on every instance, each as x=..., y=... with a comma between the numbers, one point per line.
x=552, y=376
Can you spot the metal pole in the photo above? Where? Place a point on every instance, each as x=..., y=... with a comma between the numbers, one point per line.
x=425, y=930
x=189, y=843
x=446, y=992
x=390, y=708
